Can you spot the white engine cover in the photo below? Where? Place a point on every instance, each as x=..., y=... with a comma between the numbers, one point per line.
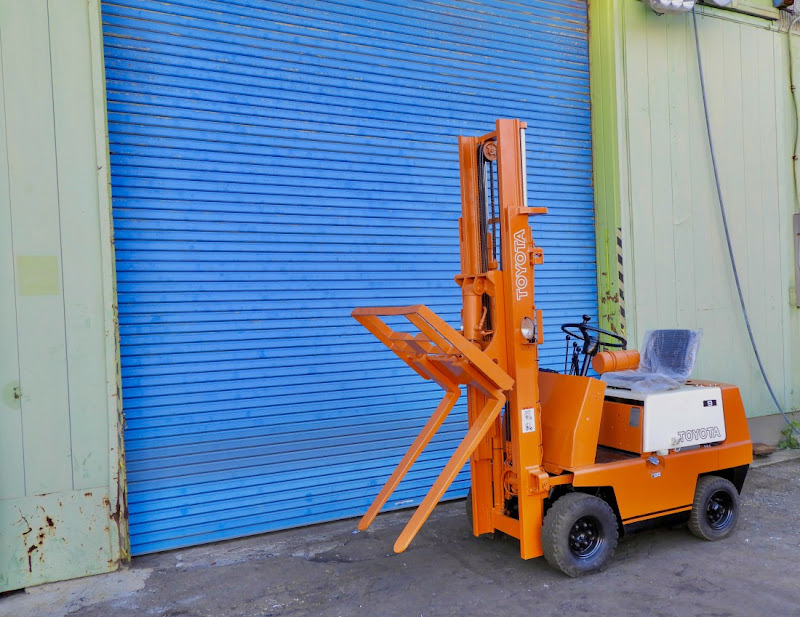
x=687, y=416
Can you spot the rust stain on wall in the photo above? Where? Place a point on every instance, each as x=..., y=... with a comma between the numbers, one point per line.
x=43, y=532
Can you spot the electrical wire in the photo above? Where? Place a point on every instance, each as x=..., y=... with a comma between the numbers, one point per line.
x=727, y=233
x=793, y=88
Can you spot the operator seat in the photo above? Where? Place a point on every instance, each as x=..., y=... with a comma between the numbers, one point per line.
x=667, y=360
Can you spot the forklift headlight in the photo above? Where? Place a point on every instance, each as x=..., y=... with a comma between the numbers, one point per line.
x=528, y=329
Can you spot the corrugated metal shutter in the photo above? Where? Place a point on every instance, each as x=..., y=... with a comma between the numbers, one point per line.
x=276, y=164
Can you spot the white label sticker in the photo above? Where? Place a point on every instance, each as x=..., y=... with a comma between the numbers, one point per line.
x=529, y=420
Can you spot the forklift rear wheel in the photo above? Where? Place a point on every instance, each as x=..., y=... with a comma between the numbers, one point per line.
x=579, y=534
x=715, y=509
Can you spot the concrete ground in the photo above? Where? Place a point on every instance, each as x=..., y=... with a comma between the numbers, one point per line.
x=330, y=570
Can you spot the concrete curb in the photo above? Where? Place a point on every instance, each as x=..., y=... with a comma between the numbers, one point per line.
x=779, y=456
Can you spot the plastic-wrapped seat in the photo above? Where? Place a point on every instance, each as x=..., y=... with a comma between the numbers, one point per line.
x=667, y=360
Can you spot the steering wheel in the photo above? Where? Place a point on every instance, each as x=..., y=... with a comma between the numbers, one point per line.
x=591, y=344
x=581, y=331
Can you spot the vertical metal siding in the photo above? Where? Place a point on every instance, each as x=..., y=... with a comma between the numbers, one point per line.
x=682, y=276
x=275, y=165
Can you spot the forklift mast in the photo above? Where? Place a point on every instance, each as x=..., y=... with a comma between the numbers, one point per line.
x=499, y=303
x=495, y=356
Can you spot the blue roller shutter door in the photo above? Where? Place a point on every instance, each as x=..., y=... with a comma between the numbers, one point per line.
x=275, y=165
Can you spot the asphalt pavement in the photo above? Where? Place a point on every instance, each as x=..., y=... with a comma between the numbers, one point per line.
x=331, y=570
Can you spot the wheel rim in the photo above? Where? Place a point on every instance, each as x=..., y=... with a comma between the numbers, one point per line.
x=585, y=537
x=719, y=510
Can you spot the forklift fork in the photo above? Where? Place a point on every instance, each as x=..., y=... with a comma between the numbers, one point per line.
x=439, y=353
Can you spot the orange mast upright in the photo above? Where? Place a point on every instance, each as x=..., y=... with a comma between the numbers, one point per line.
x=498, y=301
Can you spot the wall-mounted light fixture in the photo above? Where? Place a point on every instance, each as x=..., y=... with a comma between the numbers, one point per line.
x=671, y=6
x=681, y=6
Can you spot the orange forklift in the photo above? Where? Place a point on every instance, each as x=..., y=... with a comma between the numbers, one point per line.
x=565, y=463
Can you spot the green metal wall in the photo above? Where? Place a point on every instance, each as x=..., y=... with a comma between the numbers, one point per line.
x=656, y=186
x=59, y=448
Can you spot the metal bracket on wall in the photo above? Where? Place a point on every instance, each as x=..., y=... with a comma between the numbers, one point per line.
x=797, y=260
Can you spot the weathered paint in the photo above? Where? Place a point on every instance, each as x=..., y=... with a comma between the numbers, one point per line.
x=60, y=504
x=677, y=272
x=606, y=156
x=56, y=536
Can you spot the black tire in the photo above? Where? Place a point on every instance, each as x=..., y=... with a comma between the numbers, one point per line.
x=579, y=534
x=715, y=510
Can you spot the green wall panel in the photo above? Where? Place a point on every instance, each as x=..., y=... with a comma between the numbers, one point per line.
x=60, y=469
x=676, y=268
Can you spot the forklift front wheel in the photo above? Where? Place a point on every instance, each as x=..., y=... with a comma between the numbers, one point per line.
x=715, y=509
x=579, y=534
